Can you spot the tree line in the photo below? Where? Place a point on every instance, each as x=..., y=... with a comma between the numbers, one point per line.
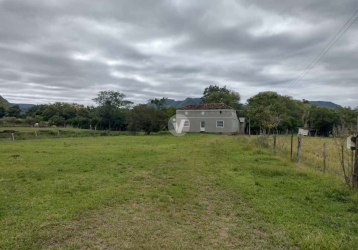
x=267, y=112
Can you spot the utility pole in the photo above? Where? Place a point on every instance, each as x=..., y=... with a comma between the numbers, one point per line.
x=355, y=168
x=357, y=120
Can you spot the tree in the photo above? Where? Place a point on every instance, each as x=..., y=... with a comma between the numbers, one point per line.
x=14, y=111
x=216, y=94
x=57, y=120
x=112, y=98
x=348, y=118
x=170, y=111
x=30, y=121
x=158, y=103
x=148, y=119
x=270, y=110
x=2, y=111
x=109, y=109
x=323, y=119
x=49, y=112
x=68, y=111
x=36, y=110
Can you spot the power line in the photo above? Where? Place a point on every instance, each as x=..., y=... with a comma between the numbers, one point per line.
x=320, y=55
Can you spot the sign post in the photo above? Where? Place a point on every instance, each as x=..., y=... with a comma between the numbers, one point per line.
x=352, y=145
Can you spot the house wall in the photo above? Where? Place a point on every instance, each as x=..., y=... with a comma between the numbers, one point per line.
x=228, y=116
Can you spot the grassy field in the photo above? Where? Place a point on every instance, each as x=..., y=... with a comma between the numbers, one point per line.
x=30, y=133
x=165, y=192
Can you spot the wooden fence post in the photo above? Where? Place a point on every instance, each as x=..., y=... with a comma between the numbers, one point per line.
x=58, y=133
x=299, y=148
x=355, y=167
x=274, y=142
x=324, y=158
x=13, y=137
x=291, y=146
x=35, y=134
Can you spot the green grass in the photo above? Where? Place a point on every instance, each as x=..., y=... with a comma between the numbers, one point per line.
x=165, y=192
x=30, y=133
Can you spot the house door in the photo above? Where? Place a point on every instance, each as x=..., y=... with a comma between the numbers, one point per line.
x=202, y=126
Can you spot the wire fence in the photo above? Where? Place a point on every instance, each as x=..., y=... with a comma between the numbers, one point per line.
x=325, y=154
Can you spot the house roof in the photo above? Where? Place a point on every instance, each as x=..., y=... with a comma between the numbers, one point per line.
x=205, y=106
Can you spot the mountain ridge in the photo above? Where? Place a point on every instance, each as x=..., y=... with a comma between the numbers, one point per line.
x=171, y=102
x=190, y=100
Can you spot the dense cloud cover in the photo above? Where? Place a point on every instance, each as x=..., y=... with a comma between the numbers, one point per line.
x=69, y=50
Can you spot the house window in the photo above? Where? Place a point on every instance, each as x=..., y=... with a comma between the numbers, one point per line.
x=219, y=124
x=186, y=123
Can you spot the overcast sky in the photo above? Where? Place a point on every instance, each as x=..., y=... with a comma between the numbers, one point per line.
x=69, y=50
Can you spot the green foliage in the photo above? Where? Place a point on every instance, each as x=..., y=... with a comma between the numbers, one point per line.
x=112, y=109
x=348, y=117
x=36, y=110
x=112, y=98
x=158, y=103
x=57, y=120
x=14, y=111
x=323, y=119
x=216, y=94
x=148, y=119
x=170, y=111
x=30, y=121
x=2, y=111
x=50, y=111
x=270, y=110
x=3, y=103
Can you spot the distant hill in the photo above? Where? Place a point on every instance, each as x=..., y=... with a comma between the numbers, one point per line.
x=23, y=106
x=178, y=104
x=189, y=100
x=325, y=104
x=3, y=102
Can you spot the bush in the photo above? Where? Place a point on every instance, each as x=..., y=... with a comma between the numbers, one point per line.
x=262, y=141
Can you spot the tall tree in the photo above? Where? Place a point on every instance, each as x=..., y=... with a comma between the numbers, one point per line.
x=216, y=94
x=110, y=102
x=112, y=98
x=2, y=111
x=14, y=111
x=323, y=119
x=270, y=110
x=148, y=119
x=158, y=103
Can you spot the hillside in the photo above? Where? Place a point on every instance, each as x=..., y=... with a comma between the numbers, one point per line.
x=3, y=102
x=23, y=106
x=325, y=104
x=189, y=100
x=178, y=104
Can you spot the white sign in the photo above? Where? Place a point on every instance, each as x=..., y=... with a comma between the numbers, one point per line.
x=350, y=145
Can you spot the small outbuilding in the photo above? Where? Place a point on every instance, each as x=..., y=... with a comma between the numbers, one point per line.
x=212, y=118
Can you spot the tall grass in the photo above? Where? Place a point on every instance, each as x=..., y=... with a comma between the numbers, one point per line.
x=311, y=150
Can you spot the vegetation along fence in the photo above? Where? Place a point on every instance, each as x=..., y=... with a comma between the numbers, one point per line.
x=328, y=155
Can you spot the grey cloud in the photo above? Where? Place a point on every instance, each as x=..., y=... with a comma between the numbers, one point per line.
x=69, y=50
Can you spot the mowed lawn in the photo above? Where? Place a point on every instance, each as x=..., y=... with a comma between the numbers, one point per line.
x=164, y=192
